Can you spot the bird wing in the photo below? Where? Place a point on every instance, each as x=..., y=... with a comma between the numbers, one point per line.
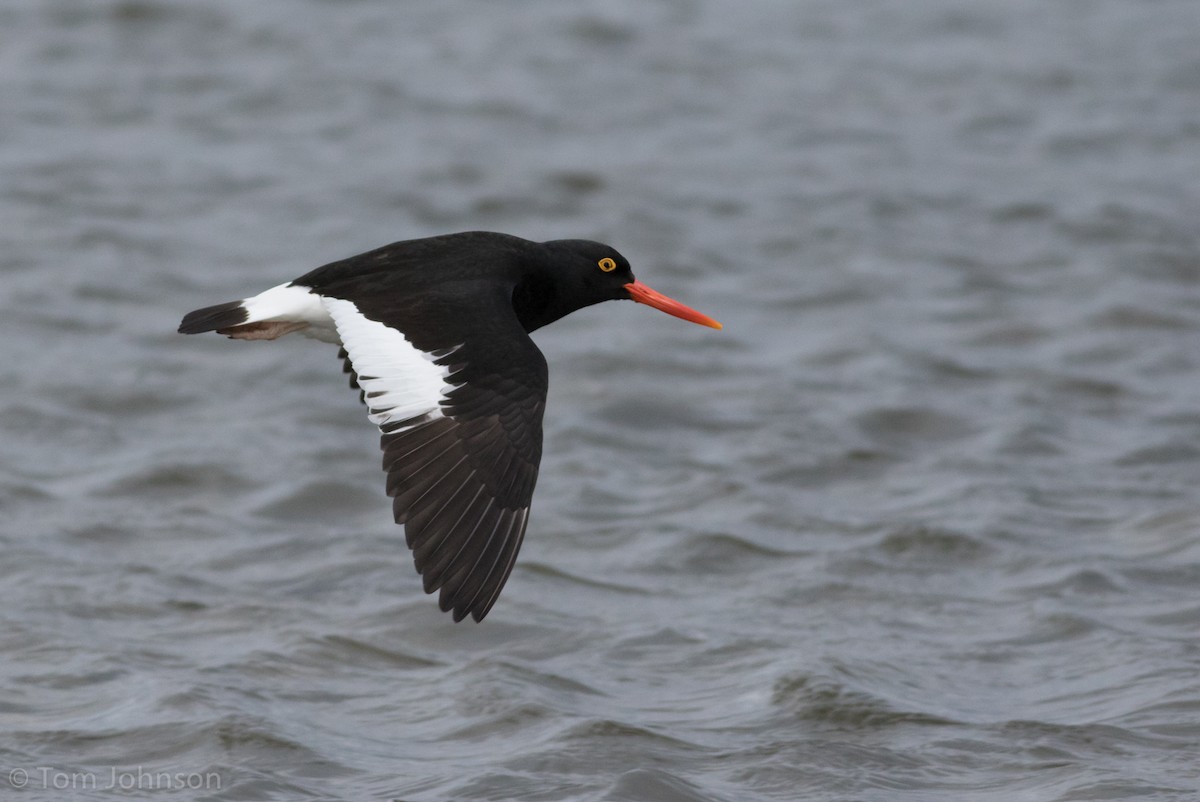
x=461, y=422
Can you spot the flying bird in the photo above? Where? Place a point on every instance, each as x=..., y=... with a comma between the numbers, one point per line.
x=434, y=333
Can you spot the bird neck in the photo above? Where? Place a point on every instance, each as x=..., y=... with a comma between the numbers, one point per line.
x=537, y=302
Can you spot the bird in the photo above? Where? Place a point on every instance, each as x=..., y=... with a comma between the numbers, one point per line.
x=434, y=334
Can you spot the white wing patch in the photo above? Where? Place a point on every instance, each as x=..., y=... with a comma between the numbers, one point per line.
x=292, y=303
x=400, y=381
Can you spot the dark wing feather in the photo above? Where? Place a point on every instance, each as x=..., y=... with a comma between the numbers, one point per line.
x=462, y=486
x=348, y=368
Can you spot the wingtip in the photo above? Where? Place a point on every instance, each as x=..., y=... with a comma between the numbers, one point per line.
x=460, y=613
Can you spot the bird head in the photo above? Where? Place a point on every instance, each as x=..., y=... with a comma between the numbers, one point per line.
x=596, y=272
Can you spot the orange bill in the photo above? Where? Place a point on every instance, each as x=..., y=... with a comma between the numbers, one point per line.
x=644, y=295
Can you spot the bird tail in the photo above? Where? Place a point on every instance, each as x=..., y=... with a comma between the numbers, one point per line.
x=266, y=316
x=214, y=318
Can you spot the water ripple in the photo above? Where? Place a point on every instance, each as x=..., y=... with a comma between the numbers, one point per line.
x=920, y=523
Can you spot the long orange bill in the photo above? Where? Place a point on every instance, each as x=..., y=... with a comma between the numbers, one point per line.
x=644, y=295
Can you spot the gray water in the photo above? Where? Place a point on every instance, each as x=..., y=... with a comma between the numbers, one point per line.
x=922, y=522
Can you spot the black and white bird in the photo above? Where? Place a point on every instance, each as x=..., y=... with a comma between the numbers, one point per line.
x=435, y=334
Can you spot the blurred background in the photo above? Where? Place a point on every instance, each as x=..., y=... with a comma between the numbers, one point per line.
x=921, y=523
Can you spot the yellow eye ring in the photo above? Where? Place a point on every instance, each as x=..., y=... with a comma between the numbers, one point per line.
x=607, y=265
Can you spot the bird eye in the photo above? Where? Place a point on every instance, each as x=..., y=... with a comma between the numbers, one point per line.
x=607, y=265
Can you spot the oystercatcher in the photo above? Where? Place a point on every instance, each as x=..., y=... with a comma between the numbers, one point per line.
x=434, y=333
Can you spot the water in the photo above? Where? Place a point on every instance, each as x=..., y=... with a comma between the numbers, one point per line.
x=921, y=523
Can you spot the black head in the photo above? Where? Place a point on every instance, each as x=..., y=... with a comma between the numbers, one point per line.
x=596, y=272
x=575, y=273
